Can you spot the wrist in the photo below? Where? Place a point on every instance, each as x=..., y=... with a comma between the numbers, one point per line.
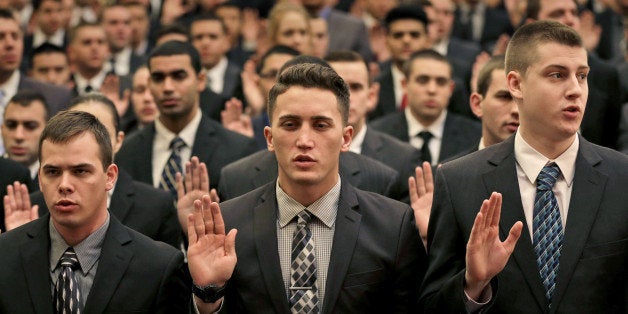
x=210, y=293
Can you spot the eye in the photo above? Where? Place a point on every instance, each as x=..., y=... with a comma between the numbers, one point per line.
x=157, y=77
x=50, y=172
x=180, y=75
x=556, y=75
x=583, y=76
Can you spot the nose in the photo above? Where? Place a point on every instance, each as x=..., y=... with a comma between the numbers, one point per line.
x=19, y=132
x=576, y=87
x=304, y=139
x=569, y=19
x=65, y=184
x=168, y=84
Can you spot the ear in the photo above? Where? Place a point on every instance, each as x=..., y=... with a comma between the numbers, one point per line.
x=475, y=102
x=514, y=84
x=268, y=134
x=112, y=176
x=373, y=96
x=119, y=140
x=347, y=135
x=201, y=79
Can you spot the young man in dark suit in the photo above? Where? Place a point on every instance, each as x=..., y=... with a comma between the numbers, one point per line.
x=79, y=258
x=176, y=80
x=426, y=123
x=546, y=189
x=363, y=251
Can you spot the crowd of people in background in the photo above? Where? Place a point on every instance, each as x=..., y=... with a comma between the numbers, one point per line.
x=394, y=113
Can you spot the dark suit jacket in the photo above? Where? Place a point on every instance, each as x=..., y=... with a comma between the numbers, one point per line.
x=496, y=22
x=459, y=101
x=376, y=262
x=231, y=80
x=212, y=104
x=592, y=275
x=11, y=171
x=135, y=274
x=214, y=145
x=139, y=206
x=253, y=171
x=58, y=98
x=459, y=135
x=348, y=33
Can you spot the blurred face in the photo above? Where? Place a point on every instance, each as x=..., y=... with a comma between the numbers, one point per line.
x=66, y=10
x=21, y=129
x=429, y=87
x=74, y=184
x=175, y=87
x=105, y=117
x=363, y=96
x=11, y=46
x=552, y=94
x=51, y=68
x=498, y=111
x=49, y=17
x=406, y=37
x=117, y=23
x=563, y=11
x=294, y=32
x=89, y=51
x=307, y=137
x=232, y=18
x=320, y=37
x=268, y=74
x=140, y=24
x=441, y=13
x=379, y=8
x=143, y=102
x=209, y=38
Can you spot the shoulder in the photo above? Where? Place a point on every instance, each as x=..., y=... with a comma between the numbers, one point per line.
x=387, y=120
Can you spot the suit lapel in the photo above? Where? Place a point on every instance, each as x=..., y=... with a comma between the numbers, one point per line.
x=586, y=195
x=265, y=170
x=345, y=237
x=122, y=198
x=114, y=261
x=372, y=145
x=142, y=164
x=503, y=179
x=264, y=224
x=205, y=141
x=35, y=265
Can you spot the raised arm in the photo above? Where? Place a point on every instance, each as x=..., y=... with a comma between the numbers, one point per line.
x=421, y=196
x=486, y=254
x=192, y=187
x=211, y=252
x=17, y=206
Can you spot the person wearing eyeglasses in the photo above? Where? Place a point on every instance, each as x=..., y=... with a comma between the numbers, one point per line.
x=426, y=123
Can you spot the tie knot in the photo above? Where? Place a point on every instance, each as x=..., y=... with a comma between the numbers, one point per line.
x=425, y=135
x=304, y=217
x=69, y=259
x=177, y=144
x=548, y=176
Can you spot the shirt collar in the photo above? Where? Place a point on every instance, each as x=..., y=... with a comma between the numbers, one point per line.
x=187, y=134
x=95, y=82
x=414, y=126
x=532, y=162
x=218, y=71
x=358, y=140
x=290, y=208
x=87, y=252
x=56, y=39
x=10, y=86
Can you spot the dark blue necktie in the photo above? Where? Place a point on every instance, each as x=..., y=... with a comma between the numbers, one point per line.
x=173, y=165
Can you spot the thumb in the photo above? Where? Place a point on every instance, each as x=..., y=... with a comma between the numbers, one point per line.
x=513, y=236
x=230, y=242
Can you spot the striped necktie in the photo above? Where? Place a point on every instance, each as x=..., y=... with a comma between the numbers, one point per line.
x=173, y=165
x=303, y=291
x=67, y=294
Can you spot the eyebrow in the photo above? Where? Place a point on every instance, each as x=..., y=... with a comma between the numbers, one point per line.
x=562, y=67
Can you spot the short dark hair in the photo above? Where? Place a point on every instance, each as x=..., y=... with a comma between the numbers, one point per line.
x=523, y=48
x=406, y=12
x=37, y=4
x=82, y=24
x=174, y=48
x=300, y=59
x=47, y=48
x=99, y=99
x=173, y=28
x=208, y=17
x=311, y=75
x=425, y=54
x=26, y=97
x=277, y=49
x=348, y=56
x=68, y=124
x=485, y=76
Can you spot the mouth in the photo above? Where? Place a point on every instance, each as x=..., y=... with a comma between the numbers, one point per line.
x=64, y=205
x=303, y=161
x=571, y=111
x=16, y=150
x=169, y=102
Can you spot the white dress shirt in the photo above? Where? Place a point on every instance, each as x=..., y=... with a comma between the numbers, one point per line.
x=56, y=39
x=216, y=76
x=358, y=140
x=397, y=76
x=437, y=129
x=161, y=145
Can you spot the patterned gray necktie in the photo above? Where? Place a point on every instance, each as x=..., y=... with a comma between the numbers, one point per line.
x=303, y=291
x=173, y=165
x=67, y=294
x=548, y=230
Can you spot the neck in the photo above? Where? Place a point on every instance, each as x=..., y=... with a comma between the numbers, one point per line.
x=548, y=147
x=306, y=193
x=424, y=121
x=75, y=235
x=89, y=73
x=177, y=123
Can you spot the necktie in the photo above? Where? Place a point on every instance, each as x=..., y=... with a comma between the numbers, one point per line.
x=425, y=149
x=112, y=62
x=303, y=291
x=548, y=230
x=67, y=294
x=173, y=165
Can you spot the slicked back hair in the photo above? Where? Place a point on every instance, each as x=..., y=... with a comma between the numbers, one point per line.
x=311, y=75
